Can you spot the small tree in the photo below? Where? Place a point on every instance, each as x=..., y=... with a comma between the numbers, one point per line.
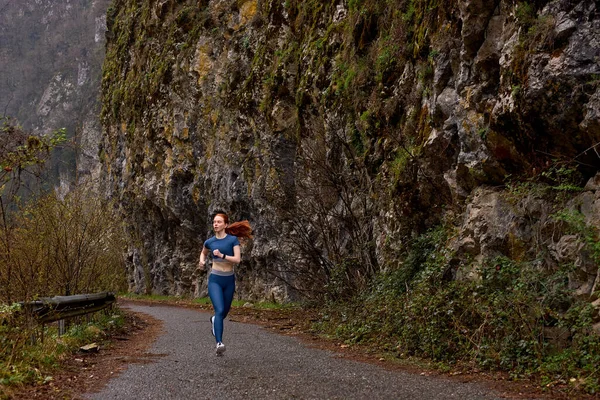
x=20, y=153
x=66, y=246
x=330, y=217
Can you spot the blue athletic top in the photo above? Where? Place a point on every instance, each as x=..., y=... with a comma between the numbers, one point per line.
x=224, y=245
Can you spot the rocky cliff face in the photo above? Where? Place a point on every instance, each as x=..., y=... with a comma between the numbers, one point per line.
x=50, y=61
x=343, y=129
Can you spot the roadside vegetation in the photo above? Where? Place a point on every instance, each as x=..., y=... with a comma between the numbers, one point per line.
x=515, y=316
x=50, y=245
x=205, y=301
x=31, y=355
x=61, y=246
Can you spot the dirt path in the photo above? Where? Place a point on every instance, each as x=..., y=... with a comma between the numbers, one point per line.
x=261, y=364
x=271, y=354
x=85, y=372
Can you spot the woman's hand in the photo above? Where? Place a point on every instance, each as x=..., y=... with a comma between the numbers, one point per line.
x=217, y=253
x=202, y=261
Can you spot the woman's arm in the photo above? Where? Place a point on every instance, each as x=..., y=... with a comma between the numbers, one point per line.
x=203, y=255
x=234, y=259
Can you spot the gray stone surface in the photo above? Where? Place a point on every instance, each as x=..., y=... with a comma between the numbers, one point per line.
x=262, y=365
x=252, y=118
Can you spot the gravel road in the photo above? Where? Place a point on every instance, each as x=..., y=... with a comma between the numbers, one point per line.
x=262, y=365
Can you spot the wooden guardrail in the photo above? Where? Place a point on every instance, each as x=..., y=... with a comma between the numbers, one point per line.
x=49, y=309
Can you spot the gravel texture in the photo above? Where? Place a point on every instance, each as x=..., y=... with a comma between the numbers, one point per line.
x=262, y=365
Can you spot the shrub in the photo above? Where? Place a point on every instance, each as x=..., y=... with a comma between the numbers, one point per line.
x=499, y=320
x=23, y=361
x=60, y=246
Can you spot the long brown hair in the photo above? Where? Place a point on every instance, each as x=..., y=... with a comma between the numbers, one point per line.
x=240, y=229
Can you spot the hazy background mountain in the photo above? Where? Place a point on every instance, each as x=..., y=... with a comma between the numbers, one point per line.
x=51, y=56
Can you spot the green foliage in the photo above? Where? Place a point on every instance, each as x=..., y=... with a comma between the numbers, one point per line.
x=400, y=162
x=343, y=280
x=562, y=177
x=498, y=319
x=154, y=297
x=483, y=132
x=21, y=151
x=419, y=17
x=536, y=34
x=577, y=225
x=345, y=75
x=410, y=12
x=354, y=5
x=130, y=85
x=515, y=90
x=525, y=14
x=357, y=141
x=25, y=362
x=386, y=58
x=557, y=182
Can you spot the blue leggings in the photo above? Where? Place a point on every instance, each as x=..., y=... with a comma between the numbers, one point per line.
x=220, y=291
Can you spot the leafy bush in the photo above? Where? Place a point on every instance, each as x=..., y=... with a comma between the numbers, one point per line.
x=500, y=319
x=25, y=362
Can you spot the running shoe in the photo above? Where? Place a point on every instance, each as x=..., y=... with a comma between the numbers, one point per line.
x=220, y=349
x=212, y=323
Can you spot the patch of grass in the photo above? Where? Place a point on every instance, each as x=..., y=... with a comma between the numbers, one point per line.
x=344, y=77
x=399, y=163
x=201, y=300
x=151, y=297
x=264, y=305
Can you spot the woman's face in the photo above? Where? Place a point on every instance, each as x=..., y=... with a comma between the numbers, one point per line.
x=218, y=223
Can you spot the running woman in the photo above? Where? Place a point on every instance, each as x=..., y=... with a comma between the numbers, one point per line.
x=224, y=247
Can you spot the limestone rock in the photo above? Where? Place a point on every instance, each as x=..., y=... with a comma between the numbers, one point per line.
x=341, y=146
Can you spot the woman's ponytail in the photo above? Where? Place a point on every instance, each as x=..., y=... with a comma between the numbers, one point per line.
x=240, y=229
